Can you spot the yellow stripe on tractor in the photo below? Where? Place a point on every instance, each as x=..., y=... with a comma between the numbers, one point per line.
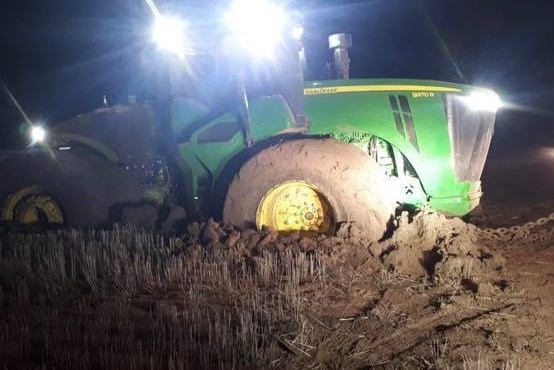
x=366, y=88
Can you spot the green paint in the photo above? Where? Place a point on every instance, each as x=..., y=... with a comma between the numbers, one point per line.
x=370, y=113
x=409, y=116
x=207, y=154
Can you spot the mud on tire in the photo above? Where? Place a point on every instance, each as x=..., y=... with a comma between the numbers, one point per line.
x=82, y=186
x=354, y=186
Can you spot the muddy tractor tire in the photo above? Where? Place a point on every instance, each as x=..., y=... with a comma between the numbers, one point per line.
x=62, y=190
x=312, y=185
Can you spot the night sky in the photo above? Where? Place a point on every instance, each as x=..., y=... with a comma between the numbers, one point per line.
x=59, y=57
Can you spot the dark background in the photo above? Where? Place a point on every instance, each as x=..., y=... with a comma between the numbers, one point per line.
x=59, y=57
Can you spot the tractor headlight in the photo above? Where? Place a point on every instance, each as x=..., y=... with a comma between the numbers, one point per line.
x=37, y=134
x=257, y=25
x=487, y=101
x=297, y=32
x=169, y=33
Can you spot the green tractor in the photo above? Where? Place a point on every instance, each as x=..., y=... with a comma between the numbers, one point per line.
x=302, y=156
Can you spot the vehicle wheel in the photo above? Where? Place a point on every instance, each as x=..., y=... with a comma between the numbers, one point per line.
x=52, y=201
x=32, y=205
x=311, y=185
x=42, y=190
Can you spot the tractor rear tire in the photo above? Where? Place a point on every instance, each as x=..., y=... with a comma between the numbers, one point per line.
x=66, y=190
x=312, y=185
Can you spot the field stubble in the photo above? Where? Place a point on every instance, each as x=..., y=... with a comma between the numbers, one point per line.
x=430, y=296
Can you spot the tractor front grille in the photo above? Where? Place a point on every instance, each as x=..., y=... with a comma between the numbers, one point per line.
x=470, y=135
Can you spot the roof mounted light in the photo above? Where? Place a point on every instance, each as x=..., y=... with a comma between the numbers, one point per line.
x=169, y=33
x=297, y=32
x=257, y=25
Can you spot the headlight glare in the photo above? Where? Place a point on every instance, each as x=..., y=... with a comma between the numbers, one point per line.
x=257, y=25
x=169, y=33
x=297, y=33
x=37, y=134
x=487, y=101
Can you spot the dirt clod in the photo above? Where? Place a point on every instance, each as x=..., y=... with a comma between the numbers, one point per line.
x=430, y=296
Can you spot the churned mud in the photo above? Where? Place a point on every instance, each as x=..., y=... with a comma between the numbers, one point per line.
x=435, y=294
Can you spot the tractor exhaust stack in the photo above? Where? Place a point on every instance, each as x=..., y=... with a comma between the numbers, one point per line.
x=340, y=43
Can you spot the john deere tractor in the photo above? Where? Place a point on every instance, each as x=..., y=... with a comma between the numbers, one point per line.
x=269, y=149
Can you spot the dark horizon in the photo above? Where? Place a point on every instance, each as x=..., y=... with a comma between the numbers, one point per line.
x=60, y=58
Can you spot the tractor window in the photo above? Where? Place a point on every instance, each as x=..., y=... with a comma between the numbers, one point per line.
x=219, y=132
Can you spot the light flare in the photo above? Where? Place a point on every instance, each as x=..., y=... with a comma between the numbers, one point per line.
x=256, y=25
x=170, y=35
x=169, y=32
x=297, y=33
x=487, y=101
x=16, y=103
x=37, y=134
x=153, y=8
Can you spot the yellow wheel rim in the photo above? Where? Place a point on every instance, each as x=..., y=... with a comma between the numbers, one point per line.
x=295, y=205
x=31, y=205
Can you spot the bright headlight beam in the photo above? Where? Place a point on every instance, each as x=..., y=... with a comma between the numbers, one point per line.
x=487, y=101
x=153, y=8
x=15, y=103
x=257, y=25
x=169, y=35
x=37, y=134
x=168, y=32
x=297, y=33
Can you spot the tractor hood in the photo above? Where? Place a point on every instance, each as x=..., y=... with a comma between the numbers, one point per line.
x=443, y=129
x=120, y=133
x=372, y=85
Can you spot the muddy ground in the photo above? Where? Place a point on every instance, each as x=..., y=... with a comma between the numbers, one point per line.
x=439, y=294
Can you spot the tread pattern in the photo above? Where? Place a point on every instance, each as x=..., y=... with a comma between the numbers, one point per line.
x=352, y=182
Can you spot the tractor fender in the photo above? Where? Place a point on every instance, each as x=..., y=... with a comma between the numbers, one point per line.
x=223, y=179
x=66, y=140
x=120, y=133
